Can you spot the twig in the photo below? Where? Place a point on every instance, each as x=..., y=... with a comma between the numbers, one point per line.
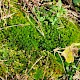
x=7, y=16
x=2, y=78
x=14, y=26
x=73, y=13
x=2, y=60
x=57, y=50
x=35, y=63
x=47, y=3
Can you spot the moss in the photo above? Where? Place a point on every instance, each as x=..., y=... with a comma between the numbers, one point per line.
x=28, y=37
x=17, y=62
x=59, y=33
x=28, y=45
x=70, y=33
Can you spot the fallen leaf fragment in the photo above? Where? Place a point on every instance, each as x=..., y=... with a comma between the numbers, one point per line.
x=69, y=53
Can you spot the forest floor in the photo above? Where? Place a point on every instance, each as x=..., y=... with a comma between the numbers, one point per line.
x=39, y=40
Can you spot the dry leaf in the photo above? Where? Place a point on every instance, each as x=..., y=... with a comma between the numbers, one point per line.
x=69, y=53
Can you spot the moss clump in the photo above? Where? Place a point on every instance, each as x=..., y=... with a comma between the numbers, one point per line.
x=28, y=37
x=58, y=31
x=20, y=62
